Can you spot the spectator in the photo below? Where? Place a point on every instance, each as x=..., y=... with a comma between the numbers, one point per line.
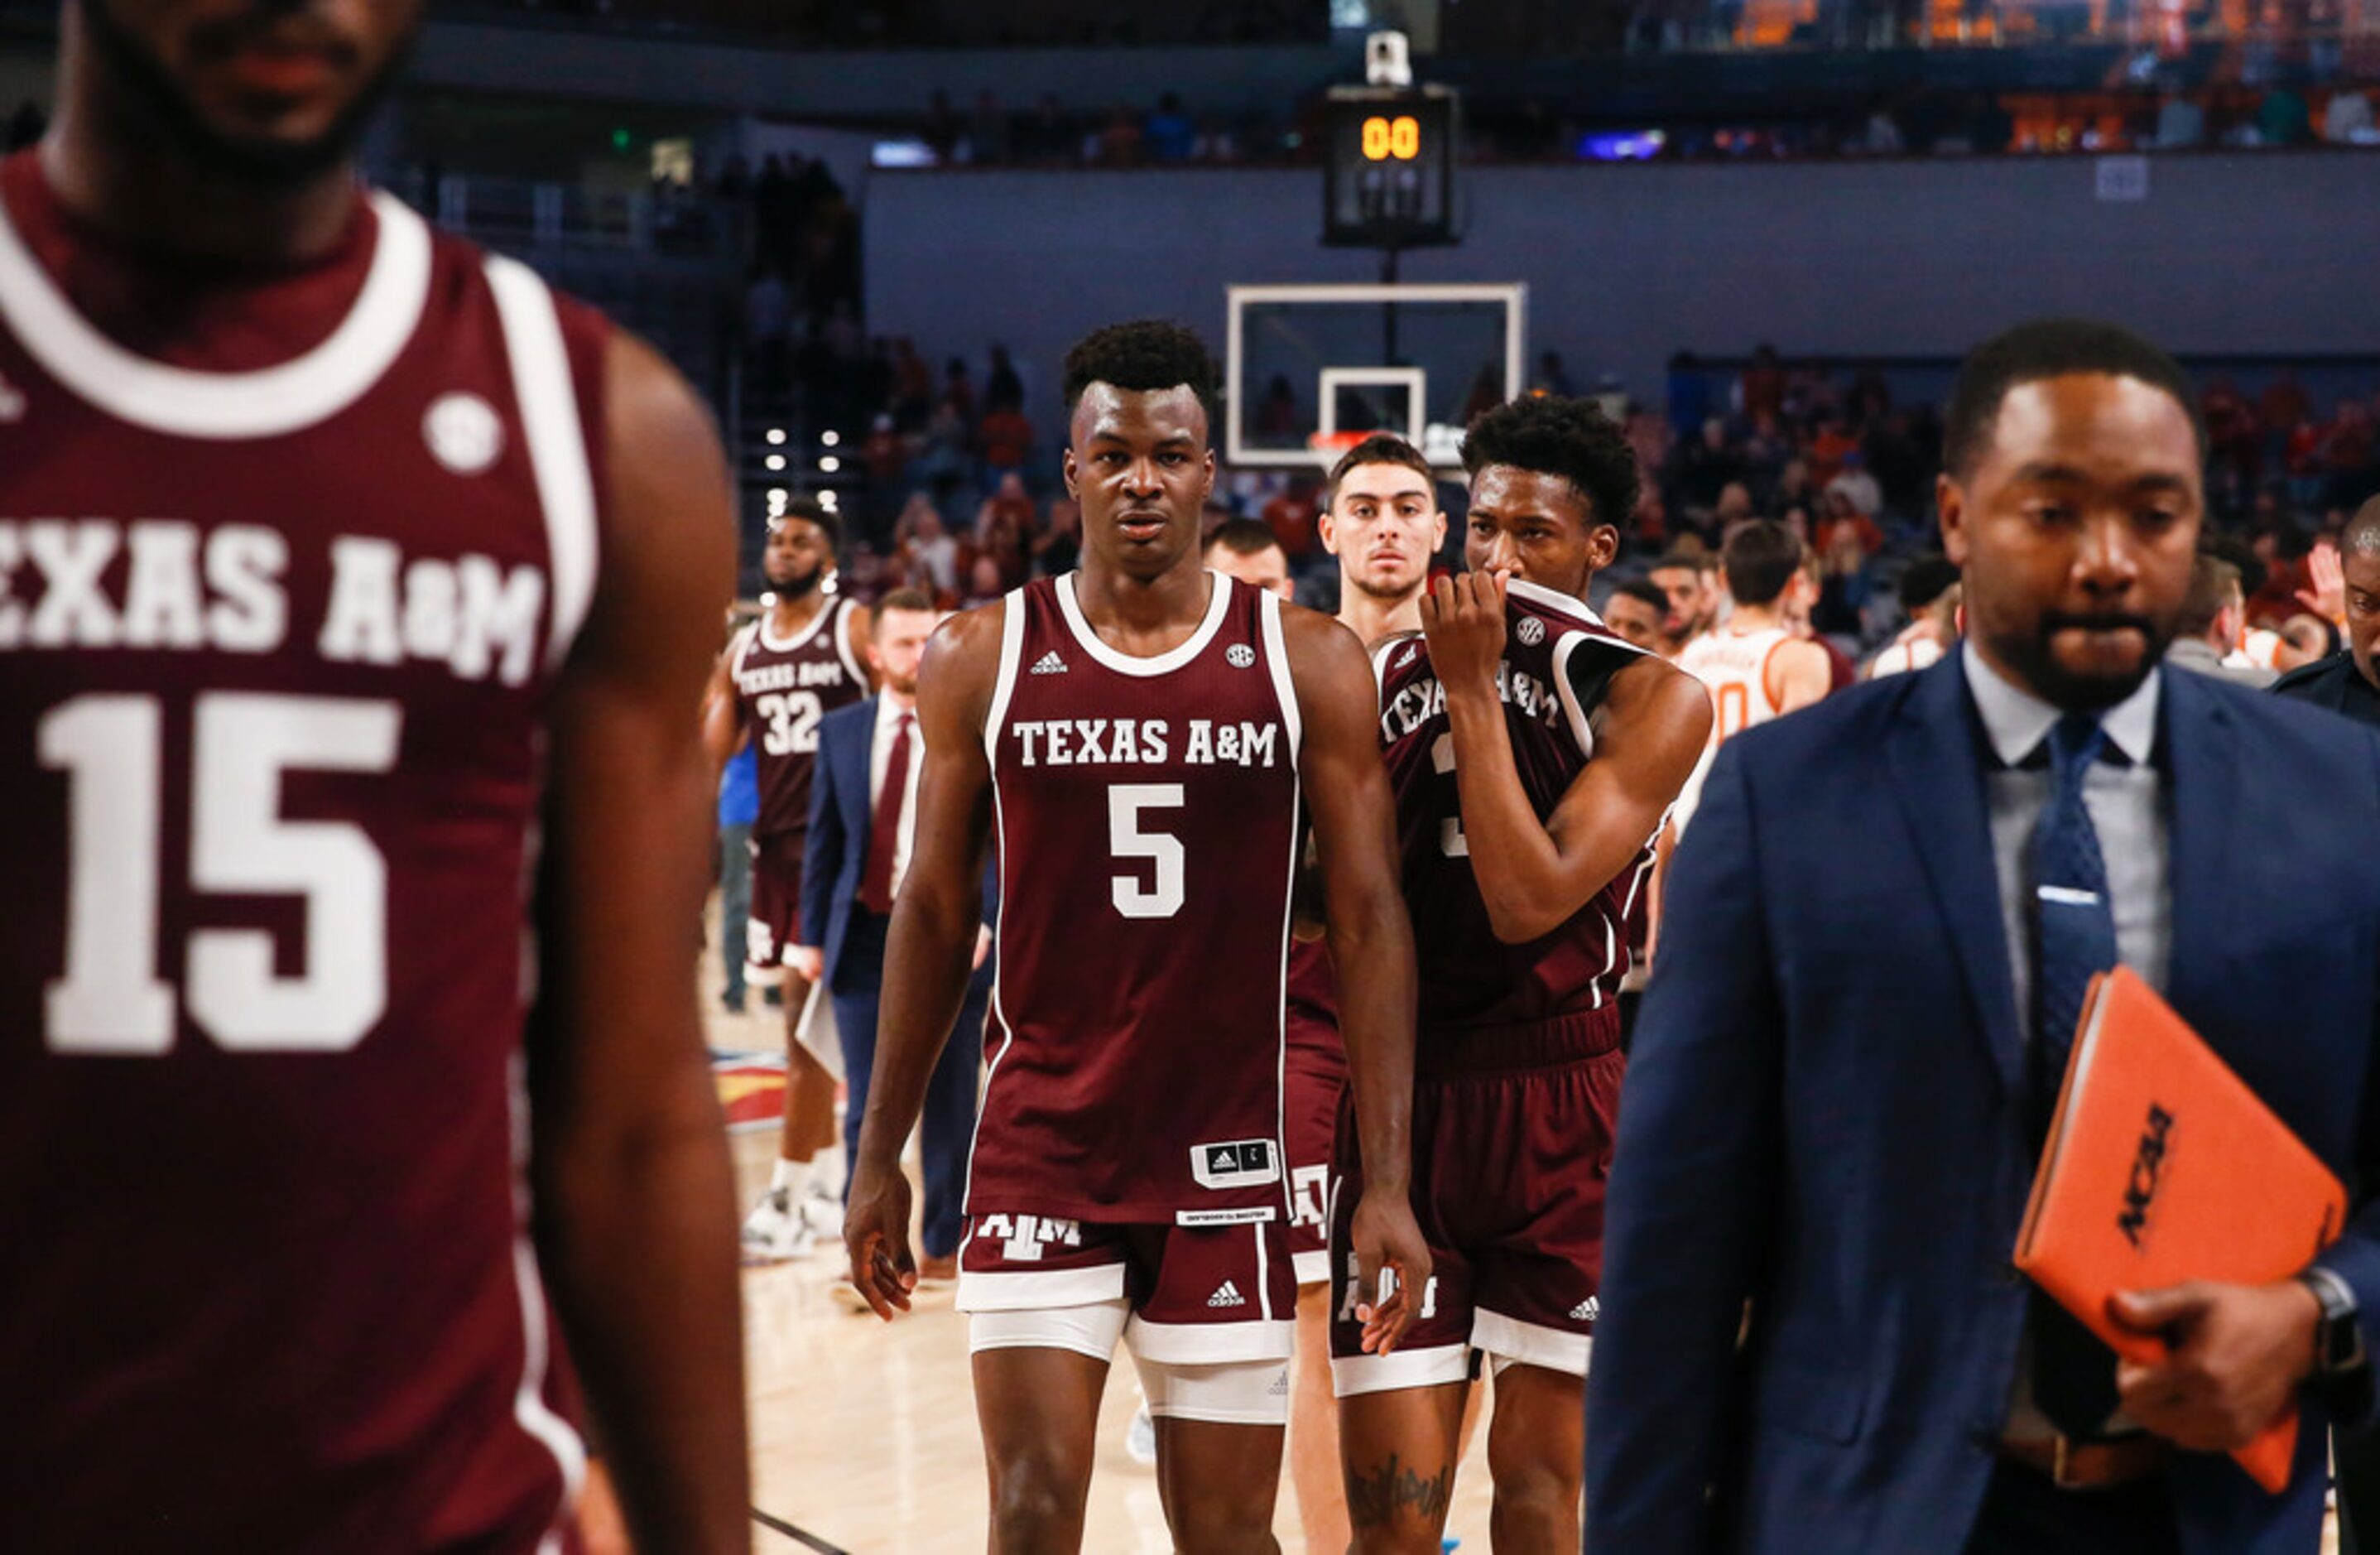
x=1172, y=136
x=1117, y=143
x=1689, y=395
x=1290, y=516
x=1761, y=387
x=929, y=556
x=987, y=138
x=2347, y=119
x=1704, y=466
x=1552, y=377
x=1277, y=412
x=1793, y=489
x=984, y=584
x=767, y=326
x=2180, y=124
x=1059, y=547
x=1006, y=436
x=1854, y=483
x=2206, y=636
x=1003, y=385
x=1004, y=530
x=958, y=389
x=1929, y=597
x=2282, y=119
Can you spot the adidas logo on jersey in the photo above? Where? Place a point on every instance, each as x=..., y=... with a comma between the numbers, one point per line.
x=1051, y=664
x=1585, y=1311
x=1228, y=1295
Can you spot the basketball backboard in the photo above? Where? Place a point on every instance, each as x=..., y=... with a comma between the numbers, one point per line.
x=1310, y=368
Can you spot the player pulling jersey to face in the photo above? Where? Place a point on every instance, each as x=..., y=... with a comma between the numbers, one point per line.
x=354, y=595
x=1534, y=754
x=1136, y=739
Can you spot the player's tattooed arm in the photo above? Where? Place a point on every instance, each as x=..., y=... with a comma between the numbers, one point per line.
x=1371, y=944
x=1649, y=730
x=636, y=1222
x=936, y=920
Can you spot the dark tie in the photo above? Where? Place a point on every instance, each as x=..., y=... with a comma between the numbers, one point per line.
x=884, y=834
x=2074, y=940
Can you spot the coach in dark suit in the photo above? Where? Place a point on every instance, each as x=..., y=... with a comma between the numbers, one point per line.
x=863, y=800
x=1874, y=944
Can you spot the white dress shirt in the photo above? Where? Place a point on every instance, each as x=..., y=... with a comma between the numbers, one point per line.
x=2128, y=811
x=888, y=723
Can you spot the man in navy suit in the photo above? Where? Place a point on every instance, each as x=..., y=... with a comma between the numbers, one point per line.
x=1877, y=938
x=862, y=805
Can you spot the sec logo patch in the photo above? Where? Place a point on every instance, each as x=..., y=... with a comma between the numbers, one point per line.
x=1531, y=631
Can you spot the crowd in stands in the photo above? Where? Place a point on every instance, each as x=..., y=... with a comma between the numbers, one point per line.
x=962, y=498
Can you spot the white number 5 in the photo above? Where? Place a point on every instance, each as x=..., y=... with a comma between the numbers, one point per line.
x=111, y=1000
x=1127, y=840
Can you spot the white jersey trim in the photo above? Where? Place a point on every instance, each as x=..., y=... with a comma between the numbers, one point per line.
x=1576, y=715
x=530, y=1412
x=827, y=610
x=1219, y=604
x=843, y=643
x=1012, y=649
x=557, y=442
x=226, y=407
x=1285, y=685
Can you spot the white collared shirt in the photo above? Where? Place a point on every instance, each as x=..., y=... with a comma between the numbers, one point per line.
x=2127, y=806
x=888, y=722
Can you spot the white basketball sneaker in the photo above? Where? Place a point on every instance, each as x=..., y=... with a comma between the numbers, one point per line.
x=778, y=1230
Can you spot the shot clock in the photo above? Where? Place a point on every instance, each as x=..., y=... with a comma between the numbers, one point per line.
x=1389, y=178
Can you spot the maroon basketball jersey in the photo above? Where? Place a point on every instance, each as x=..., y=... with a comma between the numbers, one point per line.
x=284, y=597
x=1147, y=813
x=783, y=688
x=1559, y=659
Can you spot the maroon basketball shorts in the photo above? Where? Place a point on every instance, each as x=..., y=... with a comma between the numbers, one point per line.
x=1313, y=1075
x=776, y=925
x=1512, y=1148
x=1207, y=1311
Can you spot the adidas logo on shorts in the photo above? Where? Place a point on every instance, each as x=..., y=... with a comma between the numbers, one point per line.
x=1587, y=1311
x=1227, y=1295
x=1051, y=664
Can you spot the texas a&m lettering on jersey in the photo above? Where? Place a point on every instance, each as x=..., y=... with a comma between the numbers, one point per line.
x=1146, y=813
x=783, y=688
x=277, y=643
x=1559, y=661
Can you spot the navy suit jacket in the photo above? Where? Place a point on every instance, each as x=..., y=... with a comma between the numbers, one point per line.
x=1825, y=1102
x=841, y=820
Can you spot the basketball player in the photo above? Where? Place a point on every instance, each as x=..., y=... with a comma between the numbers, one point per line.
x=799, y=661
x=355, y=817
x=1636, y=610
x=1535, y=753
x=1141, y=735
x=1756, y=668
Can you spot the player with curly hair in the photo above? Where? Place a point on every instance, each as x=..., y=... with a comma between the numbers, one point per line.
x=1141, y=737
x=1534, y=755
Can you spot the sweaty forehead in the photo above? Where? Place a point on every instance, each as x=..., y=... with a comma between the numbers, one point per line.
x=1147, y=417
x=2106, y=425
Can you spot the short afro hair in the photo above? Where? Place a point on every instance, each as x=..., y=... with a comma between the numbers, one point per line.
x=808, y=508
x=1144, y=356
x=1553, y=434
x=2051, y=348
